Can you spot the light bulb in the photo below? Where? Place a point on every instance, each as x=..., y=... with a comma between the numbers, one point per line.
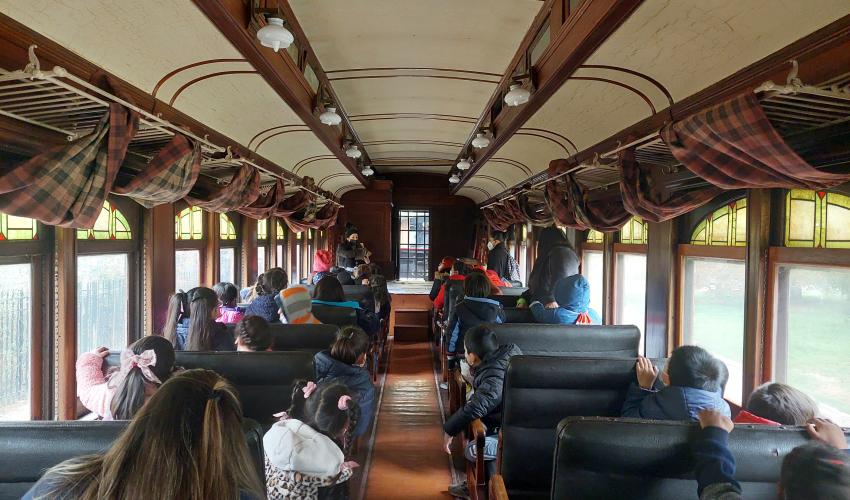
x=454, y=179
x=353, y=152
x=480, y=141
x=330, y=117
x=463, y=164
x=274, y=35
x=517, y=95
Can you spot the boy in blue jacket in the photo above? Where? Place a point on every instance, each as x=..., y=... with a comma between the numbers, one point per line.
x=693, y=380
x=573, y=297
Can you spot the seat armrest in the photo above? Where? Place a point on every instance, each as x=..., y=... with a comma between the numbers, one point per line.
x=478, y=431
x=497, y=488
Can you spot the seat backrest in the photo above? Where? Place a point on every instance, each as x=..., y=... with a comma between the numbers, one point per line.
x=539, y=392
x=505, y=300
x=27, y=449
x=518, y=315
x=453, y=295
x=642, y=459
x=514, y=291
x=354, y=293
x=309, y=338
x=571, y=340
x=262, y=379
x=333, y=315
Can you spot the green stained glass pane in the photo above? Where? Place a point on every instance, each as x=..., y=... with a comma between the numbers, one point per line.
x=720, y=227
x=110, y=225
x=726, y=226
x=189, y=224
x=226, y=231
x=740, y=230
x=801, y=218
x=700, y=232
x=262, y=229
x=837, y=230
x=626, y=233
x=635, y=232
x=281, y=232
x=594, y=236
x=18, y=228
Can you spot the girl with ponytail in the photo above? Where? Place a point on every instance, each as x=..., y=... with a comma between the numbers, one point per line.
x=145, y=366
x=193, y=450
x=303, y=452
x=191, y=323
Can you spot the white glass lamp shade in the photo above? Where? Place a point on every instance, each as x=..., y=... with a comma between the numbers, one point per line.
x=274, y=35
x=353, y=152
x=367, y=171
x=454, y=179
x=463, y=164
x=480, y=141
x=517, y=95
x=330, y=117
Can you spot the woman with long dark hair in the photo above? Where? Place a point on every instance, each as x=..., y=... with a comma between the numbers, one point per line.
x=197, y=329
x=556, y=259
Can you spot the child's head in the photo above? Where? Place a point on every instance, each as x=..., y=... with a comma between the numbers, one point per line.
x=476, y=284
x=322, y=261
x=693, y=366
x=782, y=404
x=350, y=346
x=252, y=334
x=329, y=289
x=178, y=309
x=274, y=280
x=227, y=293
x=446, y=264
x=459, y=267
x=329, y=408
x=815, y=471
x=145, y=364
x=361, y=272
x=480, y=341
x=203, y=307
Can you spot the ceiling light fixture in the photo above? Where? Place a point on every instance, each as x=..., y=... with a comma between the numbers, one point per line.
x=330, y=117
x=274, y=35
x=454, y=179
x=464, y=164
x=517, y=95
x=367, y=171
x=353, y=152
x=480, y=141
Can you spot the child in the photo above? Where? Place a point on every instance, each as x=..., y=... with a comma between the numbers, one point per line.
x=694, y=380
x=302, y=451
x=573, y=297
x=382, y=297
x=488, y=361
x=265, y=304
x=198, y=330
x=458, y=273
x=475, y=309
x=814, y=471
x=777, y=404
x=329, y=292
x=345, y=363
x=145, y=365
x=192, y=450
x=228, y=295
x=297, y=306
x=321, y=265
x=440, y=276
x=252, y=335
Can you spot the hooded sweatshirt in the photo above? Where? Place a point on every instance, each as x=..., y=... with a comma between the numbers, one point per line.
x=672, y=402
x=555, y=260
x=472, y=311
x=573, y=297
x=297, y=306
x=300, y=459
x=486, y=401
x=357, y=379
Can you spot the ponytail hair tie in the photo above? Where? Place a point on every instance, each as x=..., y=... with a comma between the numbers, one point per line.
x=309, y=389
x=342, y=404
x=215, y=395
x=143, y=362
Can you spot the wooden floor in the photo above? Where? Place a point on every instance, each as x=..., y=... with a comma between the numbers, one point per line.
x=407, y=461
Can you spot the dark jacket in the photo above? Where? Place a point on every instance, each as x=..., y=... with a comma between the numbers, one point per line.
x=349, y=254
x=319, y=275
x=469, y=312
x=573, y=297
x=559, y=262
x=498, y=259
x=672, y=403
x=222, y=340
x=486, y=401
x=266, y=307
x=715, y=466
x=357, y=380
x=435, y=289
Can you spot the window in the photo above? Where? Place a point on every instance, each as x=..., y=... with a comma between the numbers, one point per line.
x=540, y=44
x=630, y=275
x=592, y=266
x=281, y=245
x=310, y=76
x=727, y=226
x=226, y=231
x=634, y=232
x=414, y=244
x=15, y=329
x=187, y=265
x=110, y=225
x=594, y=236
x=103, y=287
x=189, y=224
x=227, y=250
x=262, y=242
x=817, y=219
x=299, y=248
x=189, y=236
x=523, y=254
x=17, y=228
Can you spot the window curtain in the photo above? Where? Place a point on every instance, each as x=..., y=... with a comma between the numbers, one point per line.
x=642, y=197
x=569, y=203
x=264, y=206
x=243, y=190
x=301, y=210
x=168, y=177
x=733, y=145
x=533, y=206
x=67, y=185
x=503, y=215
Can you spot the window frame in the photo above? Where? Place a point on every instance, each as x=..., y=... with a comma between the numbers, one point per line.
x=625, y=248
x=200, y=245
x=236, y=245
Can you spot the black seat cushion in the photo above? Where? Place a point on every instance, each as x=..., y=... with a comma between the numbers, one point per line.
x=27, y=449
x=518, y=315
x=262, y=379
x=539, y=392
x=571, y=340
x=505, y=300
x=515, y=291
x=333, y=315
x=356, y=293
x=309, y=338
x=600, y=458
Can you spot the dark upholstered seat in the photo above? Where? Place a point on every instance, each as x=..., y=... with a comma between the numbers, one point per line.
x=571, y=340
x=512, y=291
x=539, y=392
x=27, y=449
x=356, y=293
x=517, y=315
x=600, y=458
x=333, y=315
x=309, y=338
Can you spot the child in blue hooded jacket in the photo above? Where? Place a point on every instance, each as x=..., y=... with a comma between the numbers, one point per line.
x=573, y=297
x=692, y=381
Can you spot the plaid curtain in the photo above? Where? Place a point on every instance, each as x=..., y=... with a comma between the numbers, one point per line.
x=265, y=205
x=243, y=190
x=733, y=145
x=570, y=205
x=301, y=210
x=168, y=177
x=67, y=185
x=502, y=216
x=653, y=203
x=534, y=209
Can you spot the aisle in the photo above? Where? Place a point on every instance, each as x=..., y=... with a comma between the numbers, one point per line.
x=406, y=459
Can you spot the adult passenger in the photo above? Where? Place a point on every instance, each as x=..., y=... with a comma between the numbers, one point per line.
x=498, y=259
x=321, y=265
x=573, y=296
x=350, y=253
x=556, y=259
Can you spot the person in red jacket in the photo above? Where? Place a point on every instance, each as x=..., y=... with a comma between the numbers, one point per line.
x=459, y=272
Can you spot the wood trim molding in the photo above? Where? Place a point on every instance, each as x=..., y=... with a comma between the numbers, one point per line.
x=756, y=287
x=66, y=320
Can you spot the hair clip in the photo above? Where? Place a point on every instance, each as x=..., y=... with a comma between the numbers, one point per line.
x=309, y=389
x=342, y=404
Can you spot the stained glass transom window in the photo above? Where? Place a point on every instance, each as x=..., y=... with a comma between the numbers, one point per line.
x=817, y=219
x=281, y=232
x=110, y=225
x=189, y=224
x=634, y=232
x=226, y=231
x=726, y=226
x=17, y=228
x=263, y=229
x=594, y=236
